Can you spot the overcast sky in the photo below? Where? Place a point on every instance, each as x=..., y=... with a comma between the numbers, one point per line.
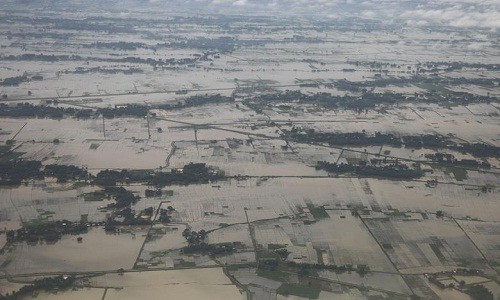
x=456, y=13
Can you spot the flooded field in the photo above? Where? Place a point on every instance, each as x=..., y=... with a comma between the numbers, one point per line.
x=210, y=283
x=428, y=246
x=148, y=152
x=98, y=251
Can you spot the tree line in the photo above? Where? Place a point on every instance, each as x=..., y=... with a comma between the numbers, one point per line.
x=28, y=110
x=432, y=141
x=396, y=171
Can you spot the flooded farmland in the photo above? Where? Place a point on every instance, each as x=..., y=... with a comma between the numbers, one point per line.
x=249, y=149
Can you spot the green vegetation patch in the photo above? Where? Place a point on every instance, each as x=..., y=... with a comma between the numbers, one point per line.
x=10, y=156
x=59, y=283
x=353, y=160
x=432, y=87
x=185, y=264
x=276, y=246
x=298, y=290
x=236, y=267
x=318, y=212
x=42, y=218
x=94, y=196
x=277, y=275
x=319, y=253
x=4, y=149
x=45, y=213
x=6, y=262
x=213, y=249
x=398, y=171
x=460, y=174
x=262, y=254
x=479, y=292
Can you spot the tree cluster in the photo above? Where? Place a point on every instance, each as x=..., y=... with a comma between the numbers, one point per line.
x=210, y=249
x=446, y=158
x=47, y=231
x=343, y=139
x=64, y=173
x=432, y=141
x=48, y=284
x=129, y=110
x=479, y=149
x=197, y=100
x=123, y=198
x=479, y=292
x=360, y=269
x=27, y=110
x=191, y=173
x=15, y=171
x=129, y=59
x=14, y=81
x=396, y=171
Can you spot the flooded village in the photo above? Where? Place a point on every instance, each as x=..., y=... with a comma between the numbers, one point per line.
x=153, y=153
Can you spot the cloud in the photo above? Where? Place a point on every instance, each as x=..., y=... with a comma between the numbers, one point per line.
x=456, y=16
x=455, y=13
x=240, y=2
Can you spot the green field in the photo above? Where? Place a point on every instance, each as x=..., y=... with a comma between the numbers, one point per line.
x=298, y=290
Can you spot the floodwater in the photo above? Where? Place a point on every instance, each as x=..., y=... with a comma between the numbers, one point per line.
x=282, y=191
x=99, y=251
x=193, y=284
x=74, y=294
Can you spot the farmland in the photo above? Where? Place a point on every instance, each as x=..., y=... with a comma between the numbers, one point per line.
x=219, y=157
